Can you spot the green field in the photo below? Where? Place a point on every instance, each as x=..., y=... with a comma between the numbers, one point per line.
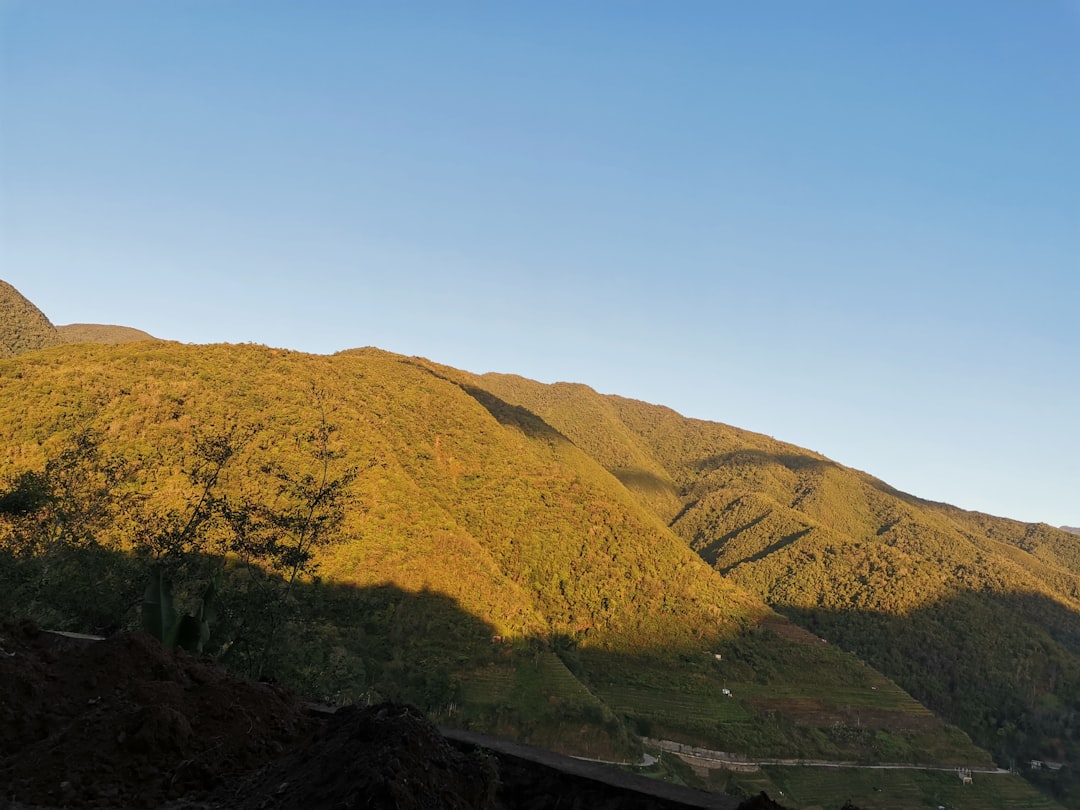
x=821, y=788
x=888, y=698
x=535, y=680
x=674, y=709
x=848, y=718
x=532, y=696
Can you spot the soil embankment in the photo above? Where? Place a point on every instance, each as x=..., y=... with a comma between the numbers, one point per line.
x=125, y=723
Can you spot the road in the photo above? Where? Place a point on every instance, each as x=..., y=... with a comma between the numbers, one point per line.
x=736, y=761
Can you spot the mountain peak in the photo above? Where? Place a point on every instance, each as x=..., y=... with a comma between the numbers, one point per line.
x=23, y=327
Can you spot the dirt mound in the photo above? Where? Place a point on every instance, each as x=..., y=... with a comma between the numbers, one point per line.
x=124, y=722
x=387, y=755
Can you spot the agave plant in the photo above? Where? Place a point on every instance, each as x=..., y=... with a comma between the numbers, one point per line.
x=161, y=620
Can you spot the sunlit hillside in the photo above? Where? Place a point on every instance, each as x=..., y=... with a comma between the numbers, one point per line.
x=975, y=615
x=100, y=333
x=23, y=327
x=488, y=565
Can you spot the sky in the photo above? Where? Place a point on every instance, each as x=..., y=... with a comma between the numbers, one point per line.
x=851, y=225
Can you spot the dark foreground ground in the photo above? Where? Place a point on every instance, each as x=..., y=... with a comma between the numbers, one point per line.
x=124, y=723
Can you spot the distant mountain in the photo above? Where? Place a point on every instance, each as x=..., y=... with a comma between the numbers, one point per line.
x=23, y=327
x=1071, y=529
x=101, y=333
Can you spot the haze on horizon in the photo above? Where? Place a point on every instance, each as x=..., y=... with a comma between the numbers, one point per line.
x=852, y=226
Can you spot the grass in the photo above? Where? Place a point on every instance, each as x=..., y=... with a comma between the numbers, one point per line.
x=532, y=696
x=857, y=715
x=488, y=686
x=813, y=788
x=673, y=708
x=532, y=680
x=890, y=698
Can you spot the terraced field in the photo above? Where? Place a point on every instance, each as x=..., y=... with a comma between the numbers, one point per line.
x=817, y=789
x=533, y=697
x=871, y=720
x=697, y=711
x=542, y=680
x=887, y=697
x=489, y=686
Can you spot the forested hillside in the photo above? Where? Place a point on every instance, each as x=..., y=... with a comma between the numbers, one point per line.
x=100, y=333
x=23, y=327
x=542, y=561
x=975, y=615
x=368, y=525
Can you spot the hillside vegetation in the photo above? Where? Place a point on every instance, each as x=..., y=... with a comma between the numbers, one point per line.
x=100, y=333
x=23, y=327
x=542, y=561
x=976, y=616
x=472, y=556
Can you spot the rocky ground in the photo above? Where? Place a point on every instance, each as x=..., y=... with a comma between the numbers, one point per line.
x=124, y=723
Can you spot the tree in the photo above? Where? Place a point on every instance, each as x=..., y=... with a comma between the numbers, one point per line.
x=81, y=538
x=277, y=539
x=57, y=531
x=180, y=539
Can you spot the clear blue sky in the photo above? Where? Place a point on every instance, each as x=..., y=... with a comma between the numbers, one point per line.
x=854, y=226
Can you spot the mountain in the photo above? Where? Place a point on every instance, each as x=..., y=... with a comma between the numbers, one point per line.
x=100, y=333
x=975, y=615
x=23, y=327
x=488, y=568
x=1071, y=529
x=539, y=561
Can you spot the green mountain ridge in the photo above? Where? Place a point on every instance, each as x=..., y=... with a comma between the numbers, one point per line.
x=25, y=328
x=569, y=568
x=100, y=333
x=900, y=581
x=484, y=501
